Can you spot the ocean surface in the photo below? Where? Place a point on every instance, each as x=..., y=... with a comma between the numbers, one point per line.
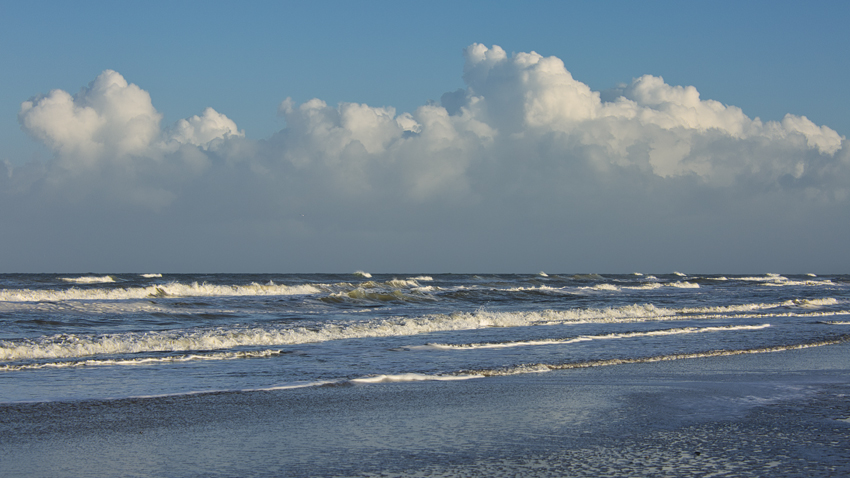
x=75, y=337
x=71, y=339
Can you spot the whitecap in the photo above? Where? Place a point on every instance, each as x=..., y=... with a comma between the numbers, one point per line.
x=89, y=279
x=172, y=289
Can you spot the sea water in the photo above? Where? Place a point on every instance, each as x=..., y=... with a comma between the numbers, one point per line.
x=486, y=375
x=74, y=337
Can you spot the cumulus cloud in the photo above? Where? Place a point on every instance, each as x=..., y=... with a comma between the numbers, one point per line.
x=525, y=146
x=109, y=133
x=109, y=119
x=205, y=130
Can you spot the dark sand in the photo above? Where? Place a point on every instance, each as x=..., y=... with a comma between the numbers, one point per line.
x=772, y=414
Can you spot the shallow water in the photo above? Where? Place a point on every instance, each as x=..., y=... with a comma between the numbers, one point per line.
x=776, y=414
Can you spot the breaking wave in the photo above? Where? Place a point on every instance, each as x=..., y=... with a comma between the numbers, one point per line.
x=172, y=289
x=89, y=279
x=69, y=346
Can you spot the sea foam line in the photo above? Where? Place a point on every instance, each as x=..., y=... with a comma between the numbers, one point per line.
x=543, y=367
x=171, y=289
x=368, y=380
x=414, y=377
x=587, y=338
x=142, y=360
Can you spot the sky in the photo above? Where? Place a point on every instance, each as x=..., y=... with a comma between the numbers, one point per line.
x=607, y=137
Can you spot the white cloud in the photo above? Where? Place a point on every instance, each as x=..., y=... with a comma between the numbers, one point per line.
x=527, y=94
x=107, y=138
x=109, y=119
x=206, y=129
x=524, y=148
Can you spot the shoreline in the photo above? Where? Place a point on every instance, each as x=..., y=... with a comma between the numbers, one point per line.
x=774, y=413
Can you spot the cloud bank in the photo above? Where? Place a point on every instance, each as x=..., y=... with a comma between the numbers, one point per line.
x=526, y=168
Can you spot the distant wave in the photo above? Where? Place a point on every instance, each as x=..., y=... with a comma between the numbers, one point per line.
x=776, y=280
x=89, y=279
x=363, y=274
x=151, y=276
x=172, y=289
x=645, y=286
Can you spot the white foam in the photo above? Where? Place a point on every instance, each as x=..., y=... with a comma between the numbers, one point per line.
x=679, y=274
x=65, y=346
x=765, y=278
x=414, y=377
x=587, y=338
x=542, y=274
x=143, y=360
x=609, y=287
x=172, y=289
x=646, y=286
x=375, y=294
x=287, y=386
x=151, y=276
x=810, y=303
x=292, y=386
x=376, y=379
x=89, y=279
x=401, y=283
x=217, y=339
x=542, y=367
x=683, y=285
x=422, y=278
x=363, y=274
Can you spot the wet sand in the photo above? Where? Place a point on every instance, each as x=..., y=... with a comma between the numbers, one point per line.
x=772, y=414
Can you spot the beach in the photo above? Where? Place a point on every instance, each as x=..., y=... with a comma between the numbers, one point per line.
x=768, y=414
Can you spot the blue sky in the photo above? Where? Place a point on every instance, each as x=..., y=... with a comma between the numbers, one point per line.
x=767, y=58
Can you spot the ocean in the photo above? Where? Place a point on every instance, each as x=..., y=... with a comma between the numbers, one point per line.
x=364, y=374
